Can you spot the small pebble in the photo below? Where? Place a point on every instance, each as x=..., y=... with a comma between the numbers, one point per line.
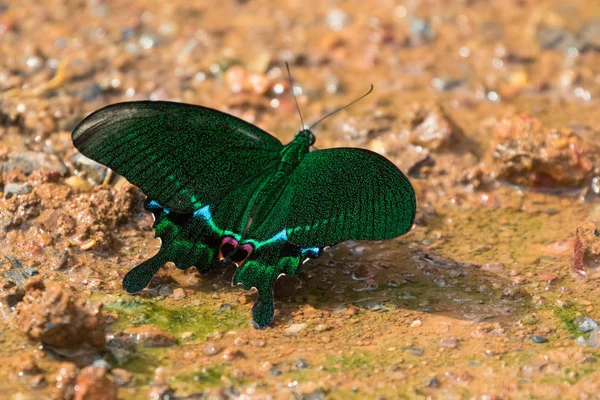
x=416, y=351
x=266, y=366
x=433, y=383
x=449, y=343
x=351, y=310
x=178, y=294
x=321, y=328
x=275, y=372
x=585, y=324
x=240, y=340
x=164, y=290
x=230, y=354
x=301, y=364
x=258, y=343
x=102, y=363
x=30, y=271
x=16, y=276
x=14, y=189
x=294, y=328
x=222, y=308
x=538, y=339
x=594, y=339
x=187, y=335
x=210, y=349
x=581, y=341
x=416, y=323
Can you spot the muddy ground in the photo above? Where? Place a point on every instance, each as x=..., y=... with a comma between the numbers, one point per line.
x=491, y=108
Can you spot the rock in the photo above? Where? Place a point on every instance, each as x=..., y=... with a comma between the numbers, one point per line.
x=65, y=380
x=120, y=346
x=492, y=267
x=420, y=32
x=539, y=339
x=53, y=315
x=594, y=339
x=301, y=364
x=526, y=153
x=29, y=161
x=79, y=183
x=433, y=383
x=231, y=354
x=94, y=171
x=122, y=377
x=434, y=132
x=416, y=351
x=294, y=328
x=362, y=272
x=16, y=275
x=93, y=383
x=258, y=343
x=150, y=336
x=585, y=324
x=178, y=294
x=15, y=189
x=581, y=341
x=240, y=340
x=449, y=343
x=589, y=35
x=586, y=250
x=211, y=349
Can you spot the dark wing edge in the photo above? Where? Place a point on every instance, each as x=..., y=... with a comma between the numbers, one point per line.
x=348, y=194
x=172, y=150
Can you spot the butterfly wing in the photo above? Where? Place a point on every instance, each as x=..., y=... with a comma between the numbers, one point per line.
x=181, y=155
x=186, y=240
x=347, y=194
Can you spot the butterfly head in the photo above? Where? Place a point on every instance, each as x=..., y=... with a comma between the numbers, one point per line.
x=307, y=135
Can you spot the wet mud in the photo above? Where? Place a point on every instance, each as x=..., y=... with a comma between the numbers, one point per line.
x=491, y=108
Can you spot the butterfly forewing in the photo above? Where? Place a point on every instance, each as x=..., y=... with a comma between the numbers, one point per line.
x=181, y=155
x=344, y=194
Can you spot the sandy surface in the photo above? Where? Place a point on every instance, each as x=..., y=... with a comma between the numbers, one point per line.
x=490, y=107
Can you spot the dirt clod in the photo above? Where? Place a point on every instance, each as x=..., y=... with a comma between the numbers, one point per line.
x=54, y=315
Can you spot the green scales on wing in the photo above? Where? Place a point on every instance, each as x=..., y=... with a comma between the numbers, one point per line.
x=221, y=188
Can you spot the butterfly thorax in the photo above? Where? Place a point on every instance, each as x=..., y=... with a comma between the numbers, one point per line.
x=261, y=204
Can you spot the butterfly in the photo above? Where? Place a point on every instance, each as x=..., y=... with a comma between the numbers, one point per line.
x=221, y=188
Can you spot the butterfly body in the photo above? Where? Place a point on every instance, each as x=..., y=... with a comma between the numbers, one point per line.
x=222, y=189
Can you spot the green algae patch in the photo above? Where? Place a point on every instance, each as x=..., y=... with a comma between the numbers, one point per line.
x=200, y=320
x=357, y=361
x=567, y=316
x=197, y=381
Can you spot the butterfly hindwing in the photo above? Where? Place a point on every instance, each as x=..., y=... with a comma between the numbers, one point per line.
x=181, y=155
x=186, y=240
x=343, y=194
x=269, y=260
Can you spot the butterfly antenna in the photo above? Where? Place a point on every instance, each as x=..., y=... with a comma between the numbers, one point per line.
x=343, y=107
x=294, y=94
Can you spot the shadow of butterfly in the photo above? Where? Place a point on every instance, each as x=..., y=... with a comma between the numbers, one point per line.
x=221, y=188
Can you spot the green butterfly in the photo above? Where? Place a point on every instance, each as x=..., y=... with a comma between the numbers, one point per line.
x=223, y=189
